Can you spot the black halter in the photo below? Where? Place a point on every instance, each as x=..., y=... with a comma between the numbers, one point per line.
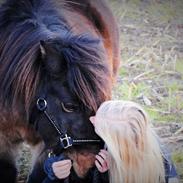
x=65, y=140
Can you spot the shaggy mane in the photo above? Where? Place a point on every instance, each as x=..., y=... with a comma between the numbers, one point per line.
x=20, y=59
x=88, y=74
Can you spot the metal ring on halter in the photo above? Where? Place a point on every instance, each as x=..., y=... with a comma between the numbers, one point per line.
x=41, y=104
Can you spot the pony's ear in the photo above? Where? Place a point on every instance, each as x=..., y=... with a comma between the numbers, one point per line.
x=53, y=61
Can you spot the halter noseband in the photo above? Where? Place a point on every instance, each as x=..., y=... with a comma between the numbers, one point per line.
x=65, y=140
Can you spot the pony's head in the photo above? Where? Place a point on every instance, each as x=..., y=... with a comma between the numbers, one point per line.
x=135, y=152
x=73, y=83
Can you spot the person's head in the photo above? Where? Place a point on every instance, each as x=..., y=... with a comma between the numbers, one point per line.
x=131, y=142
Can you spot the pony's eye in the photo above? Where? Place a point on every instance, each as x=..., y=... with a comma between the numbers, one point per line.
x=69, y=107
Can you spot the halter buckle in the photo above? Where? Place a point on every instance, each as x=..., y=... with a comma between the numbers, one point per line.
x=66, y=141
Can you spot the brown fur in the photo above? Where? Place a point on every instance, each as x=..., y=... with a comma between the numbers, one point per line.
x=82, y=162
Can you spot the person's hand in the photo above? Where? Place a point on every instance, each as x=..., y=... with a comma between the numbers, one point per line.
x=102, y=161
x=62, y=168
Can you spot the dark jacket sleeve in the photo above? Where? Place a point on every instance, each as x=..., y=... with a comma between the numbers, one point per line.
x=105, y=177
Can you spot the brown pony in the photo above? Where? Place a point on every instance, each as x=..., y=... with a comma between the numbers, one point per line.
x=58, y=61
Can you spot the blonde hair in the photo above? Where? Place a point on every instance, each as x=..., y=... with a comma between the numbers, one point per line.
x=135, y=153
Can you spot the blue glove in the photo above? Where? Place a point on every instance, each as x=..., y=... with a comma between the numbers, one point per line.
x=48, y=165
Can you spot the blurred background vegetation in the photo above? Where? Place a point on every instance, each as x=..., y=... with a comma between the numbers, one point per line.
x=151, y=56
x=151, y=72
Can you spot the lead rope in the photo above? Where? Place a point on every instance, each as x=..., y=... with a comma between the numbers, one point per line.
x=66, y=180
x=96, y=176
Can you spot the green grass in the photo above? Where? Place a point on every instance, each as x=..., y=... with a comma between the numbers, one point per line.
x=179, y=66
x=178, y=157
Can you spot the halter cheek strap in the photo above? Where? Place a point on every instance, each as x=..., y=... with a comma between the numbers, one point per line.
x=65, y=140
